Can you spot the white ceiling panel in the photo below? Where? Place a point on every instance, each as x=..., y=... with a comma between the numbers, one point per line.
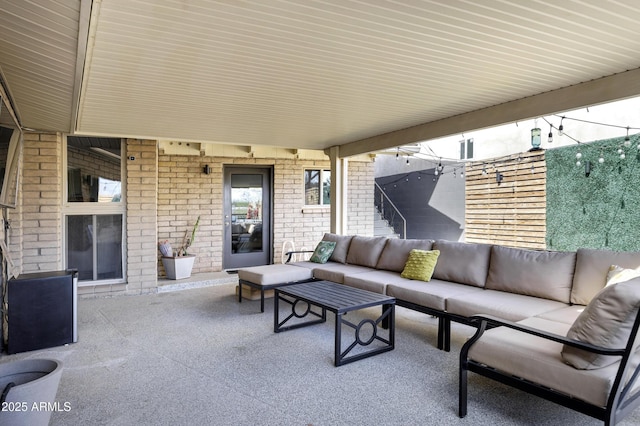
x=305, y=74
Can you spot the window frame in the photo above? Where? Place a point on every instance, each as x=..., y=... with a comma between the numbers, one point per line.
x=322, y=172
x=73, y=208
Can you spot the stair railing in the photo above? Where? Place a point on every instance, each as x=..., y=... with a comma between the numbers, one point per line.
x=390, y=212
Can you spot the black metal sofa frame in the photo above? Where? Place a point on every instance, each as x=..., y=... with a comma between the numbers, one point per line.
x=621, y=401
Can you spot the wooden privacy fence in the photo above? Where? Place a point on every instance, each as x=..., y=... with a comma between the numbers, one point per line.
x=505, y=201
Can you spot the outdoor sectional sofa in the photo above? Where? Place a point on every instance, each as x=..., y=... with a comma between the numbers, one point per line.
x=528, y=300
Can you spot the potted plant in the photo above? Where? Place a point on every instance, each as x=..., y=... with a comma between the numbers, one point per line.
x=178, y=264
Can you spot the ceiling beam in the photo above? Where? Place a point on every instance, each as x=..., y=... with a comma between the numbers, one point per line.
x=599, y=91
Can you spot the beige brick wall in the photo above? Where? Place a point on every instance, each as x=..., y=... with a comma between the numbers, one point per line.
x=165, y=194
x=185, y=192
x=41, y=217
x=142, y=214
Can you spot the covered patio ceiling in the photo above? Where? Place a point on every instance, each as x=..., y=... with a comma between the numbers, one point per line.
x=310, y=74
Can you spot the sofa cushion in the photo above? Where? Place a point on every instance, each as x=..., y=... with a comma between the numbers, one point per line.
x=323, y=251
x=546, y=274
x=365, y=251
x=606, y=321
x=566, y=315
x=618, y=274
x=591, y=271
x=420, y=264
x=274, y=274
x=342, y=246
x=374, y=280
x=396, y=252
x=509, y=306
x=434, y=295
x=332, y=271
x=538, y=360
x=462, y=263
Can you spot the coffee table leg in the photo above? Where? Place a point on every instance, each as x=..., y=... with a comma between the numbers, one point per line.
x=295, y=315
x=337, y=356
x=388, y=315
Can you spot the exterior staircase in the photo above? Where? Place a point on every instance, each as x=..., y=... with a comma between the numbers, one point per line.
x=381, y=227
x=388, y=221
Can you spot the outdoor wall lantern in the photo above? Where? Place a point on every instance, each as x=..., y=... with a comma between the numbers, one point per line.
x=499, y=177
x=207, y=169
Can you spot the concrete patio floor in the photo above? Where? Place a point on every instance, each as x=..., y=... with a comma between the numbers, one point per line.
x=197, y=356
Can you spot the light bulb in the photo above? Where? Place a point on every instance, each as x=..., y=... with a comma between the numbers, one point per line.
x=578, y=163
x=600, y=160
x=623, y=156
x=550, y=139
x=578, y=155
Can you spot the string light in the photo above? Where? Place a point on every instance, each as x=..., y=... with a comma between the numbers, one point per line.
x=561, y=127
x=627, y=141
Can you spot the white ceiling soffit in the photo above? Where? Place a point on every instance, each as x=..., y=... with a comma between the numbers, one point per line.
x=38, y=50
x=313, y=74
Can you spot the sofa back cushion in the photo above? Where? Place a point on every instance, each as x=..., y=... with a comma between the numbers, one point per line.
x=396, y=252
x=365, y=251
x=607, y=321
x=342, y=246
x=462, y=263
x=591, y=271
x=545, y=274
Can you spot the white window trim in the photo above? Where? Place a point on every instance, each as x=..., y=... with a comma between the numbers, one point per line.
x=70, y=209
x=321, y=205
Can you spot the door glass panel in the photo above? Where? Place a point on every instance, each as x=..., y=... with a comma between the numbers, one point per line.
x=246, y=213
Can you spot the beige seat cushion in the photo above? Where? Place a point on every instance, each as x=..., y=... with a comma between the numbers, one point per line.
x=274, y=274
x=365, y=251
x=509, y=306
x=462, y=262
x=342, y=246
x=539, y=273
x=591, y=271
x=538, y=360
x=433, y=294
x=396, y=252
x=606, y=322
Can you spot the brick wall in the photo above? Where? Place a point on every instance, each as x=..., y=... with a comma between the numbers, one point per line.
x=41, y=218
x=142, y=214
x=185, y=192
x=164, y=195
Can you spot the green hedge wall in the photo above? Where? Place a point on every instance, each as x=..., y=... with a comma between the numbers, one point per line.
x=598, y=211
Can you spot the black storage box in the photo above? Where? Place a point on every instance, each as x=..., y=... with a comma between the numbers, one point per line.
x=42, y=310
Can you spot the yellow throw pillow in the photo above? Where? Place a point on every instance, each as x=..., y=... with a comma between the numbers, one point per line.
x=618, y=274
x=420, y=264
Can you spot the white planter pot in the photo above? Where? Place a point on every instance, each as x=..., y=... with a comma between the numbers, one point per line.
x=178, y=267
x=31, y=400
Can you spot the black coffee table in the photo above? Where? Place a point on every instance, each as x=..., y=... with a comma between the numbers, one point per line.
x=339, y=299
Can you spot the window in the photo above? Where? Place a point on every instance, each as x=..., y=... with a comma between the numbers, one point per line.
x=94, y=246
x=466, y=149
x=94, y=209
x=317, y=187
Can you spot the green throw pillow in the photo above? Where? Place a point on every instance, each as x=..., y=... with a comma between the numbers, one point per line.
x=323, y=251
x=420, y=264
